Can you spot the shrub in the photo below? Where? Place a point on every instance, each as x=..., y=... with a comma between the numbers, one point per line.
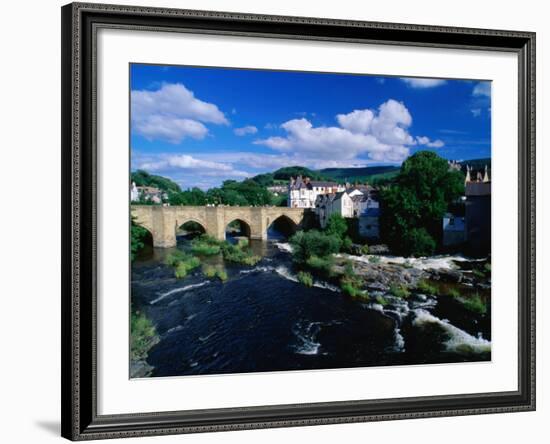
x=204, y=248
x=475, y=303
x=233, y=253
x=374, y=259
x=209, y=271
x=321, y=265
x=142, y=335
x=453, y=292
x=243, y=243
x=381, y=300
x=400, y=291
x=306, y=244
x=426, y=288
x=487, y=267
x=221, y=275
x=364, y=249
x=175, y=257
x=184, y=267
x=305, y=278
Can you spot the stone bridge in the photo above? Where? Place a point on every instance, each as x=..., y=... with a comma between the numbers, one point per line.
x=163, y=222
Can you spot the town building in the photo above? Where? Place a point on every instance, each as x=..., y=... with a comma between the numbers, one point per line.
x=143, y=193
x=303, y=192
x=355, y=203
x=134, y=193
x=478, y=212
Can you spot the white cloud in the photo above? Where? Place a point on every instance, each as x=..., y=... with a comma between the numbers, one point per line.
x=423, y=83
x=249, y=129
x=172, y=113
x=476, y=112
x=182, y=161
x=381, y=134
x=482, y=89
x=423, y=140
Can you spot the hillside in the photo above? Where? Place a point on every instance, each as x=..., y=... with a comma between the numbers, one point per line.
x=144, y=179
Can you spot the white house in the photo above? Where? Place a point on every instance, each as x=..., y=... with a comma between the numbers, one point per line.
x=134, y=193
x=328, y=204
x=303, y=192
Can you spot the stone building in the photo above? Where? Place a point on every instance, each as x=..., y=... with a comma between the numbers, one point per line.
x=302, y=192
x=478, y=212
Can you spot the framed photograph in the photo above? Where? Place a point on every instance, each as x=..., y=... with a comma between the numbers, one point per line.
x=280, y=221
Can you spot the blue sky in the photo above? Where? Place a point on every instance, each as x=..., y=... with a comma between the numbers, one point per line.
x=201, y=126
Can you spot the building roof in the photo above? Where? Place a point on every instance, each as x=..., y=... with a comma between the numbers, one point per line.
x=320, y=183
x=304, y=182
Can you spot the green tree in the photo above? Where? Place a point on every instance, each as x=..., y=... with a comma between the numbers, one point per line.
x=413, y=206
x=137, y=238
x=336, y=225
x=306, y=244
x=143, y=178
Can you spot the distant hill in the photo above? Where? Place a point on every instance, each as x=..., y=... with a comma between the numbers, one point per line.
x=144, y=179
x=363, y=174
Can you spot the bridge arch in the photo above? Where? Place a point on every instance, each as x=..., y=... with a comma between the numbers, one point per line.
x=190, y=226
x=281, y=225
x=238, y=225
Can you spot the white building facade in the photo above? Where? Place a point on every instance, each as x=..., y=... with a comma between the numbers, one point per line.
x=303, y=192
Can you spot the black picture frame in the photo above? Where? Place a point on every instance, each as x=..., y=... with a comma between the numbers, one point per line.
x=80, y=22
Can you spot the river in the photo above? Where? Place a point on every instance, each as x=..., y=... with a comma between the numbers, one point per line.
x=262, y=319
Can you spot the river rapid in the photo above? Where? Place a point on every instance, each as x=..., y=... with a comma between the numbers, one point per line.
x=262, y=319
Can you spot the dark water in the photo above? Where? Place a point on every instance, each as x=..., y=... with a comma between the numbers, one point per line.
x=262, y=320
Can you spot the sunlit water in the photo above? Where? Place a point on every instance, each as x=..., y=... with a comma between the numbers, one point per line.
x=262, y=319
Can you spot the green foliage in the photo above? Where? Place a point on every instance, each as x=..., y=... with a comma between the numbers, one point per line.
x=264, y=180
x=400, y=291
x=305, y=278
x=351, y=284
x=185, y=266
x=336, y=226
x=137, y=238
x=204, y=247
x=426, y=288
x=193, y=196
x=374, y=259
x=243, y=243
x=306, y=244
x=412, y=208
x=293, y=171
x=478, y=273
x=173, y=258
x=239, y=254
x=142, y=335
x=360, y=175
x=321, y=265
x=475, y=304
x=365, y=249
x=211, y=271
x=144, y=179
x=453, y=292
x=381, y=300
x=487, y=267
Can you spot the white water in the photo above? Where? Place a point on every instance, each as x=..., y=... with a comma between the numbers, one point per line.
x=421, y=263
x=399, y=345
x=284, y=246
x=178, y=290
x=459, y=341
